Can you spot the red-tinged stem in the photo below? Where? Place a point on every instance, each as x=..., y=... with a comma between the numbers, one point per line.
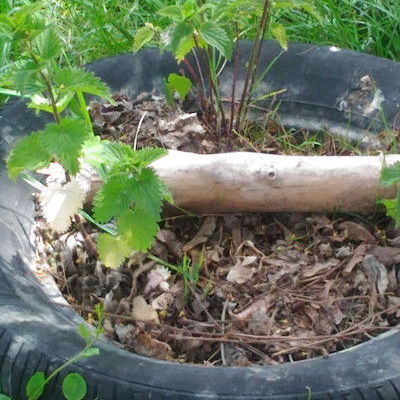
x=251, y=63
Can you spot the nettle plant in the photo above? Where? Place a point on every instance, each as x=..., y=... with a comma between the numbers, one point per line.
x=211, y=30
x=131, y=195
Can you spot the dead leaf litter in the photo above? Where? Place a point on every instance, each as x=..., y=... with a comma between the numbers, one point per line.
x=251, y=289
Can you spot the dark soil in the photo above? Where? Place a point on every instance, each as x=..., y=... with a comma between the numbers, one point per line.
x=235, y=289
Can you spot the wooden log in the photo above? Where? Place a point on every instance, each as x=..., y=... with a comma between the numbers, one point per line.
x=235, y=182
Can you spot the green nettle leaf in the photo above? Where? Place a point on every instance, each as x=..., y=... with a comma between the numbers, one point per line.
x=72, y=80
x=65, y=141
x=142, y=37
x=391, y=175
x=27, y=155
x=27, y=81
x=35, y=386
x=74, y=387
x=145, y=192
x=4, y=397
x=179, y=83
x=139, y=228
x=168, y=92
x=112, y=199
x=48, y=44
x=189, y=7
x=147, y=155
x=185, y=47
x=393, y=208
x=173, y=12
x=278, y=31
x=182, y=31
x=216, y=37
x=43, y=104
x=112, y=250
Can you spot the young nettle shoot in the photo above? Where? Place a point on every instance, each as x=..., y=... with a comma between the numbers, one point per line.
x=210, y=30
x=131, y=194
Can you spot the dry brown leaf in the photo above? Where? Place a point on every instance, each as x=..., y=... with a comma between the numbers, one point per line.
x=163, y=301
x=311, y=270
x=241, y=273
x=386, y=255
x=202, y=235
x=147, y=346
x=376, y=272
x=354, y=231
x=169, y=238
x=358, y=256
x=141, y=311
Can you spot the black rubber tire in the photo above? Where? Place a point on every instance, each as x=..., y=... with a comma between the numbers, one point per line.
x=36, y=335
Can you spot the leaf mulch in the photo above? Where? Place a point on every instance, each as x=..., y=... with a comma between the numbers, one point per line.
x=234, y=289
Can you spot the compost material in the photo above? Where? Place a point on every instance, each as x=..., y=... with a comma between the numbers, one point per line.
x=232, y=289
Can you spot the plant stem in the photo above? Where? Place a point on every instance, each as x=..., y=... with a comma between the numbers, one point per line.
x=260, y=44
x=251, y=64
x=48, y=86
x=235, y=72
x=214, y=86
x=199, y=91
x=84, y=110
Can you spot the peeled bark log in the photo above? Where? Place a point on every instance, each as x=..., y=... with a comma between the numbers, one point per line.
x=270, y=183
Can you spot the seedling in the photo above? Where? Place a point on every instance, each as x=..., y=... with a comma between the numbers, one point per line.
x=131, y=194
x=211, y=31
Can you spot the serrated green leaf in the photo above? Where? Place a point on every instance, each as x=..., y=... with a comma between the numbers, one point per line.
x=182, y=32
x=147, y=155
x=391, y=175
x=72, y=80
x=27, y=155
x=145, y=192
x=4, y=397
x=393, y=208
x=173, y=12
x=26, y=80
x=142, y=37
x=65, y=141
x=165, y=192
x=112, y=199
x=278, y=31
x=41, y=103
x=35, y=386
x=179, y=83
x=217, y=37
x=184, y=48
x=168, y=92
x=138, y=228
x=74, y=387
x=189, y=7
x=48, y=44
x=112, y=250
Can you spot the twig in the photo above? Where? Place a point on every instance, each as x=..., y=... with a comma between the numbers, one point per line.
x=222, y=346
x=135, y=274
